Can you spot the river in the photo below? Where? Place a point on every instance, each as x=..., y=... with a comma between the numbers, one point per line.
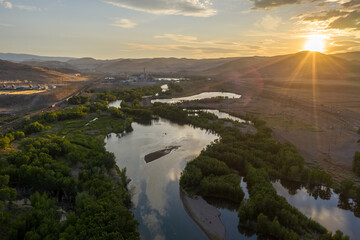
x=204, y=95
x=155, y=185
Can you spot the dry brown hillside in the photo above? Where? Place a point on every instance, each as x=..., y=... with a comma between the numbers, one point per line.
x=10, y=71
x=152, y=65
x=299, y=65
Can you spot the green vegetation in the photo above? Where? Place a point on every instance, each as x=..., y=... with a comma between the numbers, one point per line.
x=6, y=194
x=115, y=112
x=4, y=142
x=98, y=197
x=172, y=88
x=66, y=114
x=34, y=127
x=10, y=137
x=8, y=118
x=76, y=100
x=212, y=178
x=225, y=186
x=356, y=164
x=138, y=113
x=259, y=158
x=129, y=95
x=356, y=161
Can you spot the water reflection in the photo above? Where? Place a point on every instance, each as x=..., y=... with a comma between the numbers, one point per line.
x=155, y=185
x=116, y=104
x=229, y=216
x=221, y=115
x=170, y=79
x=324, y=206
x=164, y=88
x=200, y=96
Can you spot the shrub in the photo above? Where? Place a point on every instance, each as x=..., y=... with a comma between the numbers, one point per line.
x=34, y=128
x=4, y=142
x=76, y=100
x=356, y=164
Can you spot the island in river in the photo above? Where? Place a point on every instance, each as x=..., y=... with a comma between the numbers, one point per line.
x=158, y=154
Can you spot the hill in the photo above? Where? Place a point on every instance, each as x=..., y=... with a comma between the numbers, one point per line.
x=344, y=64
x=53, y=65
x=15, y=57
x=350, y=56
x=152, y=65
x=301, y=64
x=10, y=71
x=298, y=65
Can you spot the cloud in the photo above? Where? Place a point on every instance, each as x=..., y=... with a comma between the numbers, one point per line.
x=352, y=21
x=193, y=40
x=323, y=16
x=270, y=4
x=198, y=51
x=28, y=8
x=196, y=8
x=6, y=4
x=269, y=22
x=6, y=25
x=124, y=23
x=345, y=17
x=344, y=46
x=351, y=4
x=178, y=37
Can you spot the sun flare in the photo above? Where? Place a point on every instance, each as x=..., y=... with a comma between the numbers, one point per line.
x=315, y=43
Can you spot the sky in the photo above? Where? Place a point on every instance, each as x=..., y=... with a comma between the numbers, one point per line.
x=108, y=29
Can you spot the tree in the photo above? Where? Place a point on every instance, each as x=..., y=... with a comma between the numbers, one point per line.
x=76, y=100
x=42, y=222
x=6, y=193
x=34, y=128
x=262, y=223
x=345, y=186
x=190, y=177
x=4, y=142
x=356, y=164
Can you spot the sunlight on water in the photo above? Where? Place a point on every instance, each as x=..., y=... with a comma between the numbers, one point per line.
x=200, y=96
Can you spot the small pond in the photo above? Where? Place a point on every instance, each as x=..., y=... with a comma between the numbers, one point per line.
x=116, y=104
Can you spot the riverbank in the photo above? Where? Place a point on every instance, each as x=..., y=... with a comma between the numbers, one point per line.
x=206, y=216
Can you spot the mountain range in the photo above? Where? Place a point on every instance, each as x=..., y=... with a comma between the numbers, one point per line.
x=300, y=65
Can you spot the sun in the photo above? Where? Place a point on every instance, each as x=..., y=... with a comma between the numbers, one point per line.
x=315, y=43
